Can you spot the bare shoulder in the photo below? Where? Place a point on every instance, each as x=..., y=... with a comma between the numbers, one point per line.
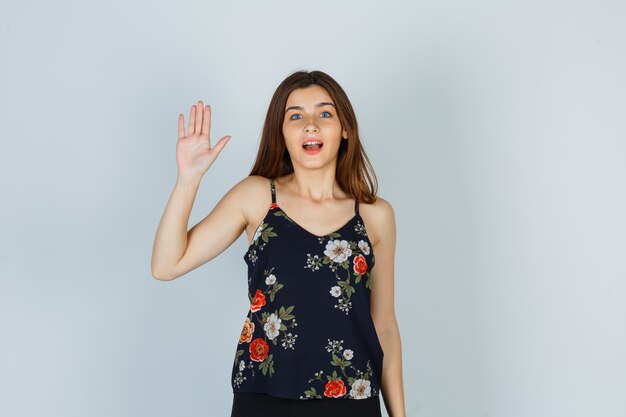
x=379, y=218
x=251, y=192
x=253, y=184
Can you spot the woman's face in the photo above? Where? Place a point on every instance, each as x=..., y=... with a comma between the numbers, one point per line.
x=310, y=116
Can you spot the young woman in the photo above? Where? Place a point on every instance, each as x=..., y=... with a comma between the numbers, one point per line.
x=321, y=316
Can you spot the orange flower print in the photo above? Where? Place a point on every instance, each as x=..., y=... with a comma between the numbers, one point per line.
x=258, y=301
x=247, y=331
x=347, y=260
x=273, y=206
x=335, y=389
x=259, y=349
x=360, y=384
x=360, y=264
x=277, y=328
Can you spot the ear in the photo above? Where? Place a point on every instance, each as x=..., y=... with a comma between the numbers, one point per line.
x=344, y=134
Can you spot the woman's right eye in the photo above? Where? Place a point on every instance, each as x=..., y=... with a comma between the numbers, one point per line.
x=295, y=114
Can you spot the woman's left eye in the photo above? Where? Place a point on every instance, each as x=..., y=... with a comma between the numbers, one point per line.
x=293, y=116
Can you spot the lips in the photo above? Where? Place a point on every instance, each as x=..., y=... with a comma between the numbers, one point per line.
x=312, y=139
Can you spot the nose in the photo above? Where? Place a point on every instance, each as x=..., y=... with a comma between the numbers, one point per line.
x=311, y=127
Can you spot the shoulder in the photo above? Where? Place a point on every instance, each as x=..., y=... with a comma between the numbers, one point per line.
x=253, y=183
x=379, y=218
x=251, y=192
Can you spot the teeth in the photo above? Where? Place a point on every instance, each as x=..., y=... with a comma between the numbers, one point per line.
x=312, y=143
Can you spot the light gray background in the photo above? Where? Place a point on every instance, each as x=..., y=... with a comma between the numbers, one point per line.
x=497, y=133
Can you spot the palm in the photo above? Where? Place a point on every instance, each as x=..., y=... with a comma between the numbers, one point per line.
x=194, y=154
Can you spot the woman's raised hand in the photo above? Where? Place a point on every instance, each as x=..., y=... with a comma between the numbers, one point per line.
x=194, y=154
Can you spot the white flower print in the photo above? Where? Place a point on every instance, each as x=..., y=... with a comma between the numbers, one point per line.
x=334, y=345
x=289, y=340
x=239, y=378
x=360, y=389
x=313, y=262
x=364, y=246
x=338, y=250
x=360, y=228
x=252, y=255
x=242, y=365
x=360, y=384
x=345, y=258
x=261, y=237
x=344, y=305
x=336, y=291
x=270, y=279
x=272, y=326
x=258, y=231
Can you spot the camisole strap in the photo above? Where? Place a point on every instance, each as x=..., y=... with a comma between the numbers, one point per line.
x=273, y=188
x=356, y=206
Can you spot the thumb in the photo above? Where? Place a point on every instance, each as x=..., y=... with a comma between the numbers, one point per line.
x=221, y=143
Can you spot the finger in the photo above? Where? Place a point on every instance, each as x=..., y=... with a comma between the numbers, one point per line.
x=199, y=116
x=181, y=126
x=221, y=143
x=206, y=123
x=192, y=120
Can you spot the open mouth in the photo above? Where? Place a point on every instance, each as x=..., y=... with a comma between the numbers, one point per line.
x=312, y=145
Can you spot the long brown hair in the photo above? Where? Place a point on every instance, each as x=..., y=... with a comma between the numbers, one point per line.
x=355, y=173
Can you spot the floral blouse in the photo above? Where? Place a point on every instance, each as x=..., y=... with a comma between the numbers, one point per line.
x=308, y=333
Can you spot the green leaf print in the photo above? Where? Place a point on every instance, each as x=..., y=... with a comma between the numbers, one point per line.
x=267, y=365
x=238, y=355
x=266, y=233
x=334, y=348
x=280, y=213
x=312, y=393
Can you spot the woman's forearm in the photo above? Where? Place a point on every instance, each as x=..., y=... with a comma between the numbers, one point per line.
x=170, y=242
x=392, y=386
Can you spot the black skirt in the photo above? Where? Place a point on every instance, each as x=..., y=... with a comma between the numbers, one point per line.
x=247, y=404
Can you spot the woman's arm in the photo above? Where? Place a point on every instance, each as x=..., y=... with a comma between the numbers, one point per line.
x=175, y=250
x=382, y=306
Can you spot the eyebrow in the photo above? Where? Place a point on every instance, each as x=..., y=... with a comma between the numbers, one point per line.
x=323, y=103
